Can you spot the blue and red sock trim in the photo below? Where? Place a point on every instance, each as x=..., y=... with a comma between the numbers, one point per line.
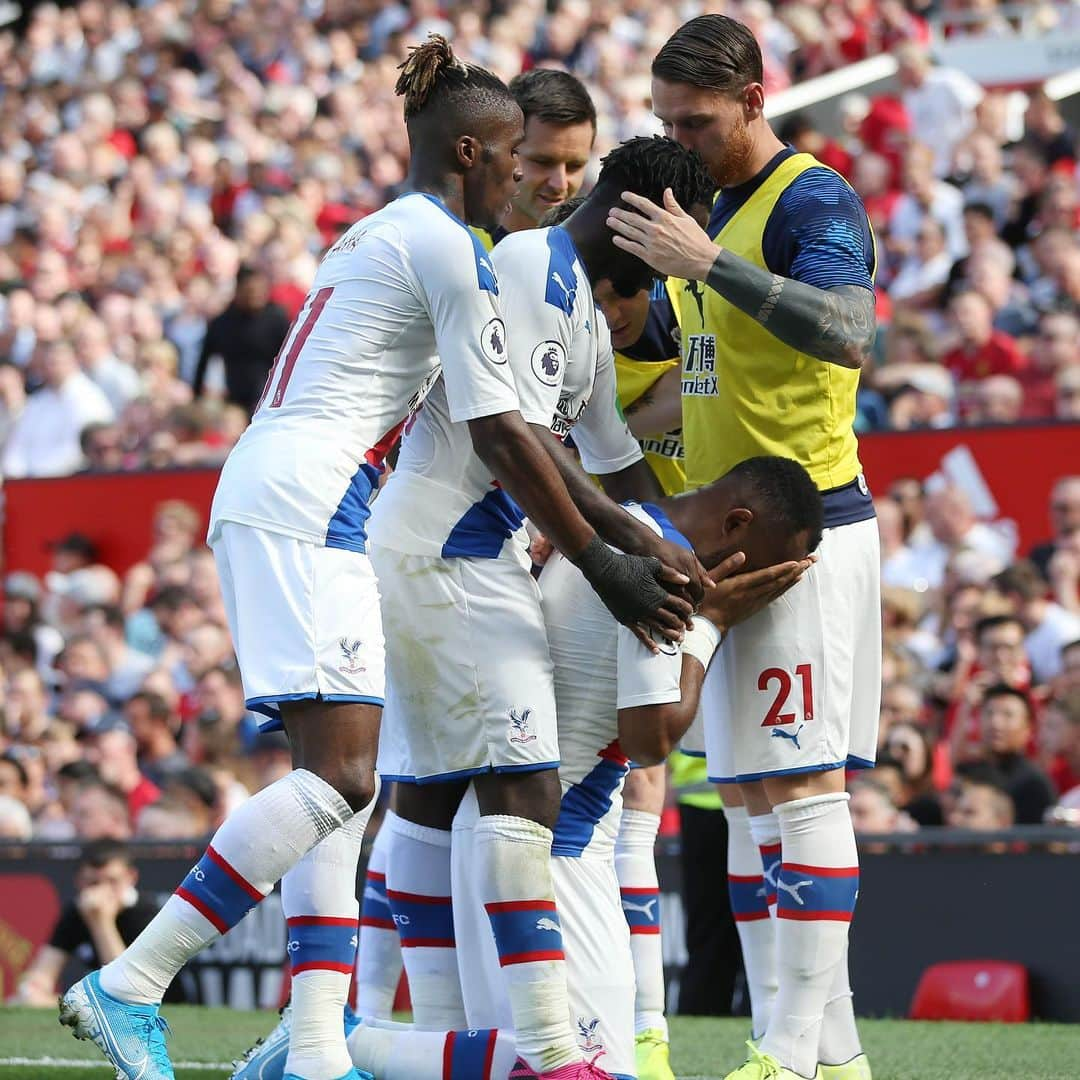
x=641, y=906
x=322, y=943
x=817, y=893
x=748, y=896
x=526, y=931
x=423, y=922
x=467, y=1055
x=375, y=909
x=770, y=862
x=218, y=892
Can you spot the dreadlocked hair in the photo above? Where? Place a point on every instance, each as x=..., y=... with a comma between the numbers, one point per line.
x=432, y=71
x=647, y=165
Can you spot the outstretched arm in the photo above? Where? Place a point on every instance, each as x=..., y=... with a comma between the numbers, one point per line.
x=835, y=325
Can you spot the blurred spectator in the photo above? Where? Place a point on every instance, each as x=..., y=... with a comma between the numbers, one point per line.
x=1067, y=394
x=872, y=810
x=127, y=667
x=106, y=915
x=1064, y=523
x=15, y=822
x=925, y=398
x=955, y=529
x=100, y=812
x=907, y=745
x=982, y=350
x=1055, y=351
x=153, y=726
x=921, y=277
x=940, y=101
x=170, y=819
x=1049, y=626
x=924, y=196
x=897, y=559
x=246, y=337
x=1059, y=740
x=1045, y=127
x=110, y=748
x=1007, y=730
x=997, y=399
x=22, y=615
x=982, y=807
x=45, y=438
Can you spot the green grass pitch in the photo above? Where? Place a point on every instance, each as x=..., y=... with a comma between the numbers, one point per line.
x=33, y=1046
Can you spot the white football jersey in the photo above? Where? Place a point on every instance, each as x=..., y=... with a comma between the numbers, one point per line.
x=600, y=667
x=405, y=294
x=441, y=499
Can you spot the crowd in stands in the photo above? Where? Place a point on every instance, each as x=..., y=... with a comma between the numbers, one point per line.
x=171, y=171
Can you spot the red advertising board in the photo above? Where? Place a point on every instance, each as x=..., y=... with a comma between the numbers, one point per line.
x=1017, y=465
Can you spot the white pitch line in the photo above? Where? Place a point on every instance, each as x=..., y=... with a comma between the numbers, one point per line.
x=82, y=1063
x=190, y=1066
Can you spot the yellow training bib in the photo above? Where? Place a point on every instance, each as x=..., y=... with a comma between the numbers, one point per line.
x=744, y=392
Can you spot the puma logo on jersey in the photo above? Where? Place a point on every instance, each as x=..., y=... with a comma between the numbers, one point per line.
x=569, y=293
x=544, y=923
x=792, y=736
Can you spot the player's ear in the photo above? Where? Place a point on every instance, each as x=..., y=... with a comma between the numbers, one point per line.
x=467, y=151
x=737, y=520
x=754, y=101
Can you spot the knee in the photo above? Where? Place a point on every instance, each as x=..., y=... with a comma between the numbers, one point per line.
x=353, y=781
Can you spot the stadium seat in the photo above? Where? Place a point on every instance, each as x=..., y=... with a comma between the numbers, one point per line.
x=973, y=990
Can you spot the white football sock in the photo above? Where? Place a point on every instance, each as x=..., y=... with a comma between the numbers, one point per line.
x=816, y=890
x=378, y=959
x=244, y=861
x=765, y=829
x=839, y=1034
x=318, y=897
x=403, y=1052
x=418, y=890
x=749, y=896
x=635, y=865
x=513, y=860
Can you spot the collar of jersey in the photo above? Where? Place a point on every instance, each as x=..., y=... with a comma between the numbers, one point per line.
x=438, y=202
x=667, y=529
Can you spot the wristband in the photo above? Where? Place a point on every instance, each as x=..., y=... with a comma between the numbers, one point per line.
x=701, y=641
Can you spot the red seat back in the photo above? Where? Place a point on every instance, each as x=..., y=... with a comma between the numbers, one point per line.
x=973, y=990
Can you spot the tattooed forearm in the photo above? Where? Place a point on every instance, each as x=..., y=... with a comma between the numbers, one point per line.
x=639, y=403
x=834, y=325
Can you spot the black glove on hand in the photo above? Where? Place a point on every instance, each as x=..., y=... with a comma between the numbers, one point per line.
x=627, y=584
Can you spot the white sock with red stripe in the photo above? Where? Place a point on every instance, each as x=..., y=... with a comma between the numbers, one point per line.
x=839, y=1034
x=513, y=860
x=403, y=1052
x=244, y=861
x=418, y=890
x=318, y=897
x=816, y=891
x=378, y=959
x=749, y=895
x=635, y=865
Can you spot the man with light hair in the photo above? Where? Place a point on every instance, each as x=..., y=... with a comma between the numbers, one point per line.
x=940, y=101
